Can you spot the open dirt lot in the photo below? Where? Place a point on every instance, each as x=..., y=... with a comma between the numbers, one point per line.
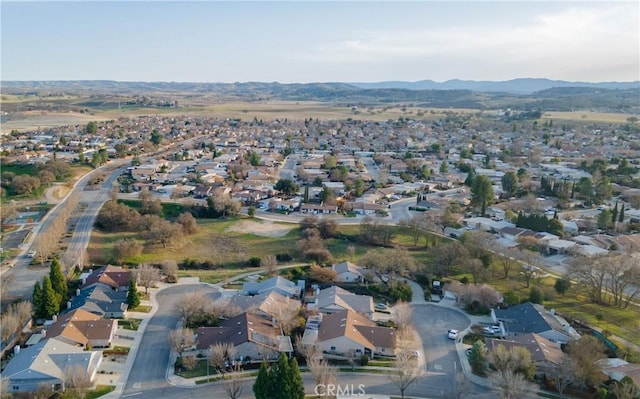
x=264, y=229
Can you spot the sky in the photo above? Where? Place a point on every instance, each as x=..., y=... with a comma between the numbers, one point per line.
x=320, y=41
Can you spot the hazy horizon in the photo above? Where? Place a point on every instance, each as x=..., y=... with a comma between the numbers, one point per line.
x=309, y=41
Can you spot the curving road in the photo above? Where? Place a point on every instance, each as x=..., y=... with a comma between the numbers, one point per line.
x=147, y=378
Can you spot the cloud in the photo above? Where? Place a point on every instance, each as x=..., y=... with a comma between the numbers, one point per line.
x=570, y=42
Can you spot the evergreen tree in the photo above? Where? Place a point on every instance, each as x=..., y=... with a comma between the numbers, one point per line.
x=621, y=216
x=50, y=304
x=470, y=176
x=297, y=386
x=37, y=300
x=133, y=296
x=478, y=358
x=262, y=388
x=282, y=377
x=614, y=214
x=481, y=193
x=306, y=193
x=444, y=168
x=58, y=282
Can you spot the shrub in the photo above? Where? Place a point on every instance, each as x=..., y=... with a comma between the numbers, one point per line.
x=255, y=261
x=284, y=257
x=364, y=360
x=535, y=295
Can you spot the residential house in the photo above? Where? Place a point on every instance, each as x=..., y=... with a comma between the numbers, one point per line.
x=335, y=299
x=274, y=284
x=617, y=369
x=114, y=277
x=529, y=318
x=100, y=300
x=347, y=272
x=268, y=304
x=48, y=363
x=253, y=336
x=318, y=208
x=289, y=205
x=83, y=328
x=348, y=333
x=364, y=208
x=546, y=355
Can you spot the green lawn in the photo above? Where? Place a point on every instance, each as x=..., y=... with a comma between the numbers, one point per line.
x=129, y=324
x=141, y=309
x=199, y=371
x=99, y=391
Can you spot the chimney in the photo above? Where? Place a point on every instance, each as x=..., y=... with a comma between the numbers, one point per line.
x=77, y=291
x=54, y=318
x=274, y=322
x=16, y=349
x=44, y=334
x=68, y=304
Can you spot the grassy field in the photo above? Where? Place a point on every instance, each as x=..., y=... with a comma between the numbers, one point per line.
x=587, y=116
x=230, y=250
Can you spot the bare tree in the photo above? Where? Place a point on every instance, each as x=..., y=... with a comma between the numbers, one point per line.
x=147, y=276
x=388, y=264
x=269, y=263
x=194, y=305
x=180, y=339
x=77, y=381
x=189, y=362
x=218, y=355
x=530, y=261
x=351, y=252
x=585, y=352
x=624, y=390
x=516, y=359
x=405, y=372
x=188, y=223
x=163, y=232
x=508, y=260
x=288, y=318
x=170, y=270
x=402, y=315
x=321, y=274
x=510, y=385
x=323, y=373
x=9, y=324
x=126, y=248
x=562, y=375
x=445, y=257
x=233, y=385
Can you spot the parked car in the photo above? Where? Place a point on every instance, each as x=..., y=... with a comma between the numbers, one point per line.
x=492, y=330
x=381, y=306
x=453, y=334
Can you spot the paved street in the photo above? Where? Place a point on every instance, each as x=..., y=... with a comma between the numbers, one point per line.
x=149, y=369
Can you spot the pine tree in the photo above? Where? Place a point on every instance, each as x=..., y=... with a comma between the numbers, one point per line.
x=58, y=282
x=133, y=296
x=50, y=304
x=614, y=214
x=262, y=386
x=297, y=385
x=37, y=300
x=621, y=216
x=282, y=377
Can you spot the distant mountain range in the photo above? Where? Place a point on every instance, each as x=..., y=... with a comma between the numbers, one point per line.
x=515, y=86
x=542, y=94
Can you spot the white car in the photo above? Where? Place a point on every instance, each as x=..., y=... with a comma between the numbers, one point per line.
x=453, y=334
x=492, y=330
